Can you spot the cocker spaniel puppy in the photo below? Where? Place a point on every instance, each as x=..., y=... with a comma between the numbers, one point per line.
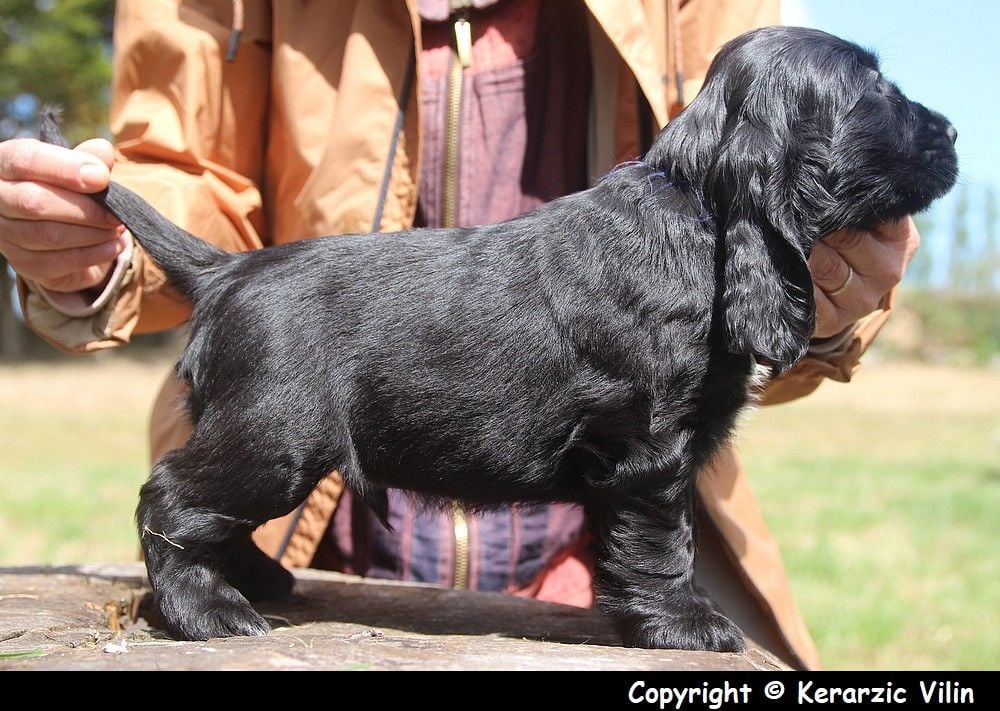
x=596, y=350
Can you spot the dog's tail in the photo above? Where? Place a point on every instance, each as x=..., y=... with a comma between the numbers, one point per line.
x=187, y=261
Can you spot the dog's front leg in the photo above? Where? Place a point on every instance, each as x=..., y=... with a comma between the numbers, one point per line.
x=644, y=571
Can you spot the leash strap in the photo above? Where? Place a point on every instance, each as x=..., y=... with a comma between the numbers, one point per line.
x=397, y=129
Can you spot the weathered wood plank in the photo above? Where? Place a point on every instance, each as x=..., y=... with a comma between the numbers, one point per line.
x=78, y=618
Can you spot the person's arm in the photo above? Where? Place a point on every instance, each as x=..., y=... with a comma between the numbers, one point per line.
x=190, y=137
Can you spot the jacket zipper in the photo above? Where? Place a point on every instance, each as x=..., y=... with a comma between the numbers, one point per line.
x=459, y=61
x=461, y=527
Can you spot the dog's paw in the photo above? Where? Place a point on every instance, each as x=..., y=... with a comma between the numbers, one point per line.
x=197, y=603
x=221, y=618
x=700, y=630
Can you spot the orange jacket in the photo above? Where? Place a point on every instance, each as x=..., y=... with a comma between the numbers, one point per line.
x=290, y=140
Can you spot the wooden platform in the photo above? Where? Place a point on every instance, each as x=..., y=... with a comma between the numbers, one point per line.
x=89, y=617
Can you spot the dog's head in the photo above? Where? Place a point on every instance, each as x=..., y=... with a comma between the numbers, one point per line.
x=796, y=134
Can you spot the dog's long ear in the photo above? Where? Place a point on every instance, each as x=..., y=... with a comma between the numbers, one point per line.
x=765, y=303
x=758, y=170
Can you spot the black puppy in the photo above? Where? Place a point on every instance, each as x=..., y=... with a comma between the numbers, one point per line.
x=596, y=350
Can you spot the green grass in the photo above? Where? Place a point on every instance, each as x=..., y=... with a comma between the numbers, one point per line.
x=72, y=458
x=884, y=495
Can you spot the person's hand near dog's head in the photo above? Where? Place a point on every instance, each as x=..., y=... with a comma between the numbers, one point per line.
x=853, y=270
x=50, y=232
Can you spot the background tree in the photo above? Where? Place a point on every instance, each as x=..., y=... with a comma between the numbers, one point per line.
x=959, y=263
x=990, y=263
x=921, y=269
x=58, y=52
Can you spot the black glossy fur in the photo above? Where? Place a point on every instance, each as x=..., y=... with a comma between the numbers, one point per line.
x=596, y=350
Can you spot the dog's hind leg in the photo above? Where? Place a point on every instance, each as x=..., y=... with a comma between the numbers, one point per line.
x=645, y=566
x=185, y=542
x=195, y=517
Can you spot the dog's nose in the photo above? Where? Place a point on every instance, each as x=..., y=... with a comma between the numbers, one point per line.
x=952, y=133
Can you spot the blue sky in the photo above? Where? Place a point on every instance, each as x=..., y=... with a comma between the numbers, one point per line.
x=946, y=55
